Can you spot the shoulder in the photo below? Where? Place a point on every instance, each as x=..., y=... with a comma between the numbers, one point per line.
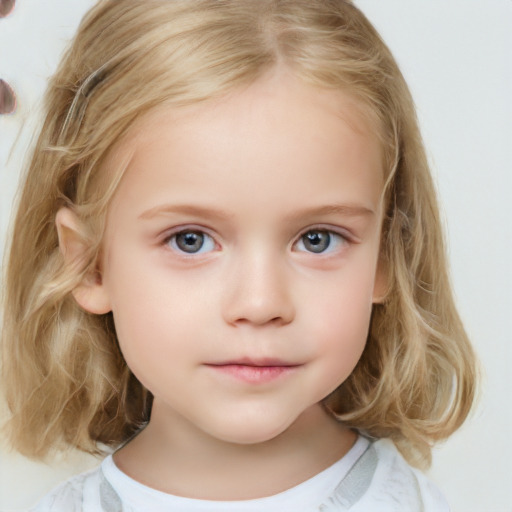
x=399, y=487
x=395, y=476
x=67, y=496
x=382, y=480
x=87, y=492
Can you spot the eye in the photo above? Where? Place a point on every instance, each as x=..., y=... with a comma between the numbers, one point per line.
x=320, y=241
x=191, y=242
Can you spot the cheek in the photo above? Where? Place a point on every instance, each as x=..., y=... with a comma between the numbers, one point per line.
x=342, y=305
x=153, y=344
x=344, y=334
x=339, y=320
x=138, y=308
x=156, y=317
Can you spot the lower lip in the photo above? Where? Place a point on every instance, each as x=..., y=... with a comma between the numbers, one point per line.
x=254, y=374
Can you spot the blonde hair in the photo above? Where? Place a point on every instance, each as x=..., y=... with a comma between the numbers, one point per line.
x=66, y=380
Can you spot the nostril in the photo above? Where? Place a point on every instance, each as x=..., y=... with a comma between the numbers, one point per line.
x=7, y=98
x=6, y=6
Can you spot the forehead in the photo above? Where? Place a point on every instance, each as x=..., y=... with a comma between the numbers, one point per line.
x=257, y=99
x=278, y=129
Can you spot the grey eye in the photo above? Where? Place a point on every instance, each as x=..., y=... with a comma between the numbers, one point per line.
x=316, y=241
x=7, y=98
x=6, y=6
x=190, y=241
x=322, y=242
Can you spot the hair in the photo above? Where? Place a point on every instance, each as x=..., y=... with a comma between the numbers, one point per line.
x=66, y=381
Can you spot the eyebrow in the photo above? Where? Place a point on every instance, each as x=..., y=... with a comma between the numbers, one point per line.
x=185, y=209
x=346, y=210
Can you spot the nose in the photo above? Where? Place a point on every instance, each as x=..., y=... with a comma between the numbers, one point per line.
x=258, y=292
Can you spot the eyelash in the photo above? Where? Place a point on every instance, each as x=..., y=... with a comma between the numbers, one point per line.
x=339, y=238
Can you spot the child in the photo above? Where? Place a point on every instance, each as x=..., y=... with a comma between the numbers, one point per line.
x=227, y=266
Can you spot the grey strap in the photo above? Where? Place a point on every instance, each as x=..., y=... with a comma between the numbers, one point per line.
x=109, y=499
x=355, y=484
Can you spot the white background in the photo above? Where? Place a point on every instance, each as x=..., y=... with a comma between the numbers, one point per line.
x=456, y=56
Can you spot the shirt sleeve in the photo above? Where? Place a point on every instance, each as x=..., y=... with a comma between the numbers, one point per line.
x=398, y=487
x=433, y=499
x=68, y=496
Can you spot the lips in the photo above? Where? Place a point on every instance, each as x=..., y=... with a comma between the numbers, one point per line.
x=254, y=371
x=245, y=361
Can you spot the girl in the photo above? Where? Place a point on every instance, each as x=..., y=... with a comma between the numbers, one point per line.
x=227, y=267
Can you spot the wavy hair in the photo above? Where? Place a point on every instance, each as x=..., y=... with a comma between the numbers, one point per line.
x=66, y=381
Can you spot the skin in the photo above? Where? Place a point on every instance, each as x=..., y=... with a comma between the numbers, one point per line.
x=253, y=173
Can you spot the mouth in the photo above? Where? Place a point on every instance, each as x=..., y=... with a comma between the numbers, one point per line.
x=254, y=371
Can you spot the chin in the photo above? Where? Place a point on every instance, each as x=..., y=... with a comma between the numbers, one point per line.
x=250, y=432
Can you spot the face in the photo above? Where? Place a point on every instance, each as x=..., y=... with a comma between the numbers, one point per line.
x=241, y=253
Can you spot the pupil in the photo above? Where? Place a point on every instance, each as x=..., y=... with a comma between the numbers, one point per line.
x=190, y=242
x=316, y=241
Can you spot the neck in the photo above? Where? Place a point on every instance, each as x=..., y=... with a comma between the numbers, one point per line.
x=172, y=455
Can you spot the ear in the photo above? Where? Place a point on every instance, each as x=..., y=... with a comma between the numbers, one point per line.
x=381, y=283
x=90, y=294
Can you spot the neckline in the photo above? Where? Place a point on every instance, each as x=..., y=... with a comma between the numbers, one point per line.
x=300, y=497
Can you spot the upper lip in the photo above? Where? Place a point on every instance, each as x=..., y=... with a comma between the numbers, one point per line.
x=245, y=361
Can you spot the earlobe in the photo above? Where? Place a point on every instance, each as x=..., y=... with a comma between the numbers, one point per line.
x=90, y=294
x=381, y=283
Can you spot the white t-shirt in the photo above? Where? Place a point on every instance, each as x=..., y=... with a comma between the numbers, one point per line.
x=371, y=477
